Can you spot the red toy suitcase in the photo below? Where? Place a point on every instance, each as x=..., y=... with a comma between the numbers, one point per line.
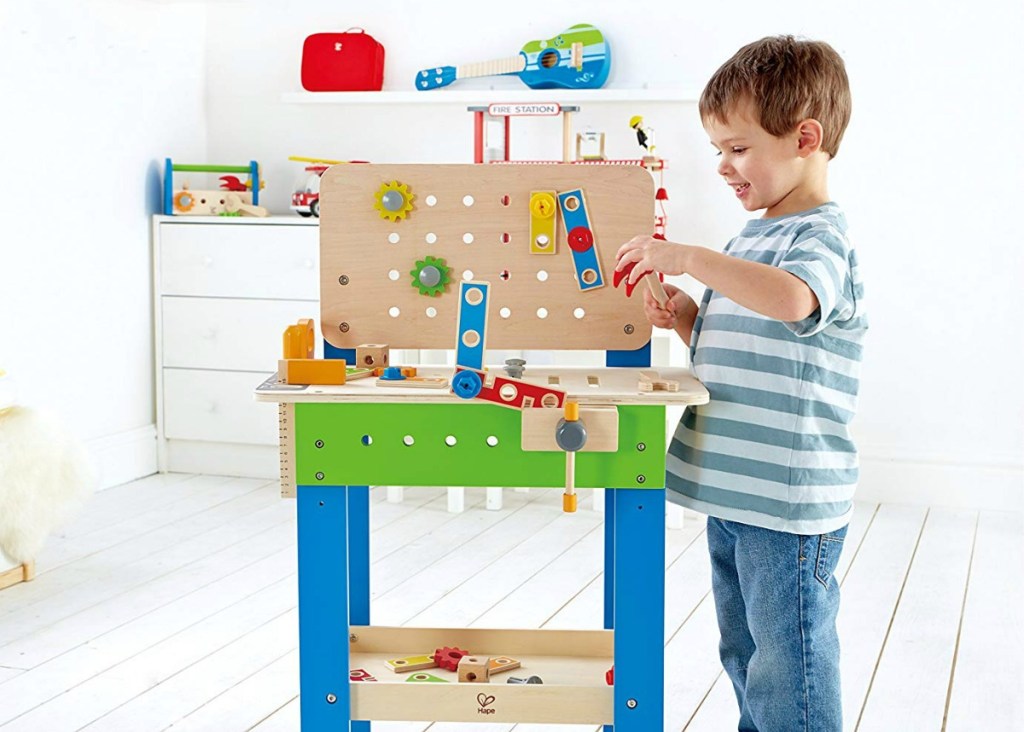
x=349, y=61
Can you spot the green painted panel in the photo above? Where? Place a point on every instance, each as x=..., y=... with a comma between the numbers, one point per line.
x=366, y=444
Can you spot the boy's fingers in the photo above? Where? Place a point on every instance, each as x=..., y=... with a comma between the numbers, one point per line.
x=630, y=256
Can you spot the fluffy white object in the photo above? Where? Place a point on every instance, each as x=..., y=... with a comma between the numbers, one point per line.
x=45, y=476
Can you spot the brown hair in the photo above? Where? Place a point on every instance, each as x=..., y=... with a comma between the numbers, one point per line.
x=787, y=80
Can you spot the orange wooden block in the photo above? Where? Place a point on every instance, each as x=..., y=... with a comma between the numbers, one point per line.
x=320, y=371
x=299, y=339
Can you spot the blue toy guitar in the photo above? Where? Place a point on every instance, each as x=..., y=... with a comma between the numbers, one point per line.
x=578, y=58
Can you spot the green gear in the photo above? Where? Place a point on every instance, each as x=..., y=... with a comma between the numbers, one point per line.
x=430, y=276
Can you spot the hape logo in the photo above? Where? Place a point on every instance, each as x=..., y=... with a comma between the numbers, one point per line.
x=485, y=701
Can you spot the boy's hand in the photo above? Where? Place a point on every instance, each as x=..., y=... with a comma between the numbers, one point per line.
x=666, y=317
x=650, y=254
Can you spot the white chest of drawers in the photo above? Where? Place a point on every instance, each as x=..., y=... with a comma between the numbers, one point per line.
x=224, y=291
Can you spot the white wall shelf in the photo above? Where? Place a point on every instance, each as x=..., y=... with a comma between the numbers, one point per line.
x=482, y=96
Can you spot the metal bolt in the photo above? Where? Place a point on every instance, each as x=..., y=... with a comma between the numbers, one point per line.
x=331, y=698
x=640, y=446
x=353, y=638
x=641, y=478
x=631, y=703
x=319, y=476
x=343, y=279
x=629, y=329
x=319, y=443
x=343, y=327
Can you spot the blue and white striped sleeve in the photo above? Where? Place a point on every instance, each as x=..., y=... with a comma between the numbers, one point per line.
x=820, y=257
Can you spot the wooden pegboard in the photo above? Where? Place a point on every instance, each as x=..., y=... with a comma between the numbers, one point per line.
x=379, y=304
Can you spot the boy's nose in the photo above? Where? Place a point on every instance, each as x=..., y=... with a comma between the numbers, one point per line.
x=724, y=167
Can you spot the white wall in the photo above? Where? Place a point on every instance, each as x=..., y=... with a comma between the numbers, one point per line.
x=929, y=175
x=92, y=97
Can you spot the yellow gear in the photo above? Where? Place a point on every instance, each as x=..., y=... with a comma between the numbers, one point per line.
x=393, y=201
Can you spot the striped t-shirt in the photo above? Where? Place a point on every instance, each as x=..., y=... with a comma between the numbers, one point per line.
x=772, y=448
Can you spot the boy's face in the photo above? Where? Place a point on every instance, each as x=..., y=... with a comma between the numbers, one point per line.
x=763, y=170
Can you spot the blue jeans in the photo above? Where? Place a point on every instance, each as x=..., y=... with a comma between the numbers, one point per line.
x=777, y=602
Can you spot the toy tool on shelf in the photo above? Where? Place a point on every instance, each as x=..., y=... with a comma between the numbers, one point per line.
x=577, y=58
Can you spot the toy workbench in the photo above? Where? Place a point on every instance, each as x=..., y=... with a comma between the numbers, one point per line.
x=467, y=257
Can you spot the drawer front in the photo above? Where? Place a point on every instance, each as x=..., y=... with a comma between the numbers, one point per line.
x=217, y=406
x=235, y=335
x=240, y=261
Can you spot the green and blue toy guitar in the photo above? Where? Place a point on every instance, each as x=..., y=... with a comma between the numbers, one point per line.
x=578, y=58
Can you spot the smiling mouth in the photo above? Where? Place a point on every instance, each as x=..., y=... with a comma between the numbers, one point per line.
x=741, y=187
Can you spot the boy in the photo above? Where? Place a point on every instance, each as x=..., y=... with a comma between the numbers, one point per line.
x=777, y=341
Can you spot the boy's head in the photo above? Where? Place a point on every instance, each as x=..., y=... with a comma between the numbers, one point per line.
x=784, y=80
x=777, y=111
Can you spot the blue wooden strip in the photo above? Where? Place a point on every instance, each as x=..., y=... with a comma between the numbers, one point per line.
x=472, y=317
x=323, y=607
x=639, y=609
x=586, y=260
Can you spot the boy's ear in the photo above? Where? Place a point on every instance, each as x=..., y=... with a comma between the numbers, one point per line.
x=809, y=136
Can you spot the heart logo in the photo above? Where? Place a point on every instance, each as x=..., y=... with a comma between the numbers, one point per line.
x=484, y=700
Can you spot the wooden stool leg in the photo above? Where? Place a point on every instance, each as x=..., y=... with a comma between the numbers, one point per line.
x=456, y=499
x=28, y=570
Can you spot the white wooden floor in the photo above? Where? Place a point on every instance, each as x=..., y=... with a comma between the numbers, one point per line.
x=170, y=603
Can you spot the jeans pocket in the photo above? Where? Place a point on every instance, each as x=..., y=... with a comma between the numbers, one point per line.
x=830, y=546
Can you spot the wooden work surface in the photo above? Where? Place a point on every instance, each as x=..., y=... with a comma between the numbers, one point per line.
x=585, y=385
x=366, y=286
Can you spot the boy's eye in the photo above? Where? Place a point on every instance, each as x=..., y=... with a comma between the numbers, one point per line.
x=738, y=150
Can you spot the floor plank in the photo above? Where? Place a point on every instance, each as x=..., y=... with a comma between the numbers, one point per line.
x=77, y=585
x=909, y=688
x=986, y=693
x=871, y=590
x=170, y=603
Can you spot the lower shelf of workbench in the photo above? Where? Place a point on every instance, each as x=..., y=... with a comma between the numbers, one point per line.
x=572, y=664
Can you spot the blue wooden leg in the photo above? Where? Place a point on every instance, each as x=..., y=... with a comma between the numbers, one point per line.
x=639, y=613
x=323, y=606
x=359, y=564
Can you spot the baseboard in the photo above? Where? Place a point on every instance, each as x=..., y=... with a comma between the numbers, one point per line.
x=958, y=483
x=223, y=458
x=124, y=457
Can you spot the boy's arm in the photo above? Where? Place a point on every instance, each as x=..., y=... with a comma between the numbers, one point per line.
x=770, y=291
x=767, y=290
